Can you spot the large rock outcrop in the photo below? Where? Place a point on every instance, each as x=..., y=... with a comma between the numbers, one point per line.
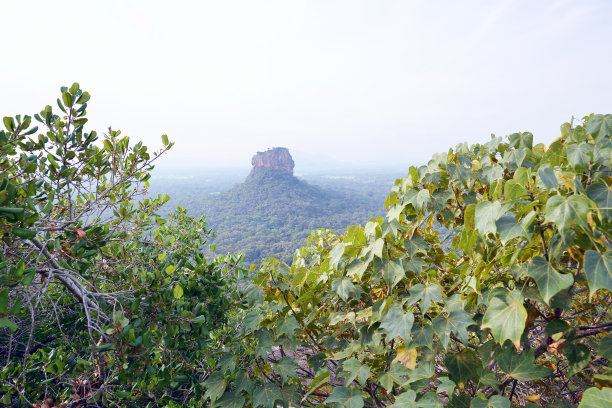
x=275, y=158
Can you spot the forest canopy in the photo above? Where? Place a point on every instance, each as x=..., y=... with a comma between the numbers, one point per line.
x=487, y=284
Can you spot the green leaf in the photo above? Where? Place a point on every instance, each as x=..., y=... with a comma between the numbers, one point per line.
x=602, y=195
x=83, y=98
x=600, y=126
x=67, y=98
x=4, y=301
x=165, y=140
x=393, y=273
x=563, y=211
x=405, y=400
x=397, y=323
x=512, y=189
x=598, y=270
x=23, y=233
x=521, y=366
x=578, y=355
x=5, y=322
x=496, y=401
x=347, y=397
x=422, y=335
x=487, y=213
x=549, y=281
x=266, y=395
x=509, y=228
x=178, y=291
x=579, y=155
x=446, y=386
x=548, y=177
x=513, y=159
x=460, y=401
x=596, y=398
x=353, y=369
x=556, y=326
x=426, y=294
x=320, y=379
x=605, y=348
x=346, y=289
x=231, y=400
x=463, y=366
x=506, y=317
x=457, y=322
x=288, y=326
x=428, y=400
x=287, y=368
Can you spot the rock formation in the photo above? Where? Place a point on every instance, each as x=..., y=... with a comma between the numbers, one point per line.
x=275, y=158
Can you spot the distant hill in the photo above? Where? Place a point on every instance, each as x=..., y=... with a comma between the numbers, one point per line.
x=272, y=212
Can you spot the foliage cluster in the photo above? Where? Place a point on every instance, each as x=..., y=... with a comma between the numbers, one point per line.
x=488, y=284
x=101, y=300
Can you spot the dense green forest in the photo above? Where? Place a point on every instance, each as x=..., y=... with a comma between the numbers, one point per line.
x=105, y=302
x=272, y=213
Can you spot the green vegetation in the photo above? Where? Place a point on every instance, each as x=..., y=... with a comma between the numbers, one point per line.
x=272, y=213
x=487, y=284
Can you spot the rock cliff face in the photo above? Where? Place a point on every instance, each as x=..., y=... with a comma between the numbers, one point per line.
x=275, y=158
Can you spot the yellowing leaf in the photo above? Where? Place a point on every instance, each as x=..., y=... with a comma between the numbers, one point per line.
x=407, y=358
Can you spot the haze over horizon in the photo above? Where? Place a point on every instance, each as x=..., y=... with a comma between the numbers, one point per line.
x=368, y=83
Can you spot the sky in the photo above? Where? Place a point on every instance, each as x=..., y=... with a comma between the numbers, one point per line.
x=363, y=83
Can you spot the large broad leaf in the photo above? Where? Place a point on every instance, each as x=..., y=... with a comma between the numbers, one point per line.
x=446, y=386
x=600, y=126
x=508, y=228
x=393, y=273
x=521, y=366
x=487, y=213
x=548, y=177
x=595, y=398
x=347, y=397
x=579, y=155
x=598, y=270
x=231, y=400
x=429, y=400
x=422, y=335
x=578, y=355
x=426, y=294
x=346, y=289
x=605, y=348
x=397, y=323
x=405, y=400
x=267, y=395
x=287, y=368
x=564, y=211
x=215, y=386
x=602, y=195
x=353, y=369
x=463, y=366
x=288, y=326
x=496, y=401
x=506, y=317
x=549, y=281
x=457, y=322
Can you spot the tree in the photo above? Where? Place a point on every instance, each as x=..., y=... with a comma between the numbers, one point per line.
x=488, y=284
x=100, y=298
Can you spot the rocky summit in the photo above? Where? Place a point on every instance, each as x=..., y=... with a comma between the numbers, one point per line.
x=275, y=158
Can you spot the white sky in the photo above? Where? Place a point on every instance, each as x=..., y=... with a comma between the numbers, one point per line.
x=354, y=81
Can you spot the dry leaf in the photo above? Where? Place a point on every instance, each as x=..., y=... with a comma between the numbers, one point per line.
x=556, y=348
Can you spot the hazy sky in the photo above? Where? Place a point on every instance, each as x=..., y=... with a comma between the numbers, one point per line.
x=361, y=82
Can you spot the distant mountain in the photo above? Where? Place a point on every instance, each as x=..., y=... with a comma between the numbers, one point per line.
x=272, y=212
